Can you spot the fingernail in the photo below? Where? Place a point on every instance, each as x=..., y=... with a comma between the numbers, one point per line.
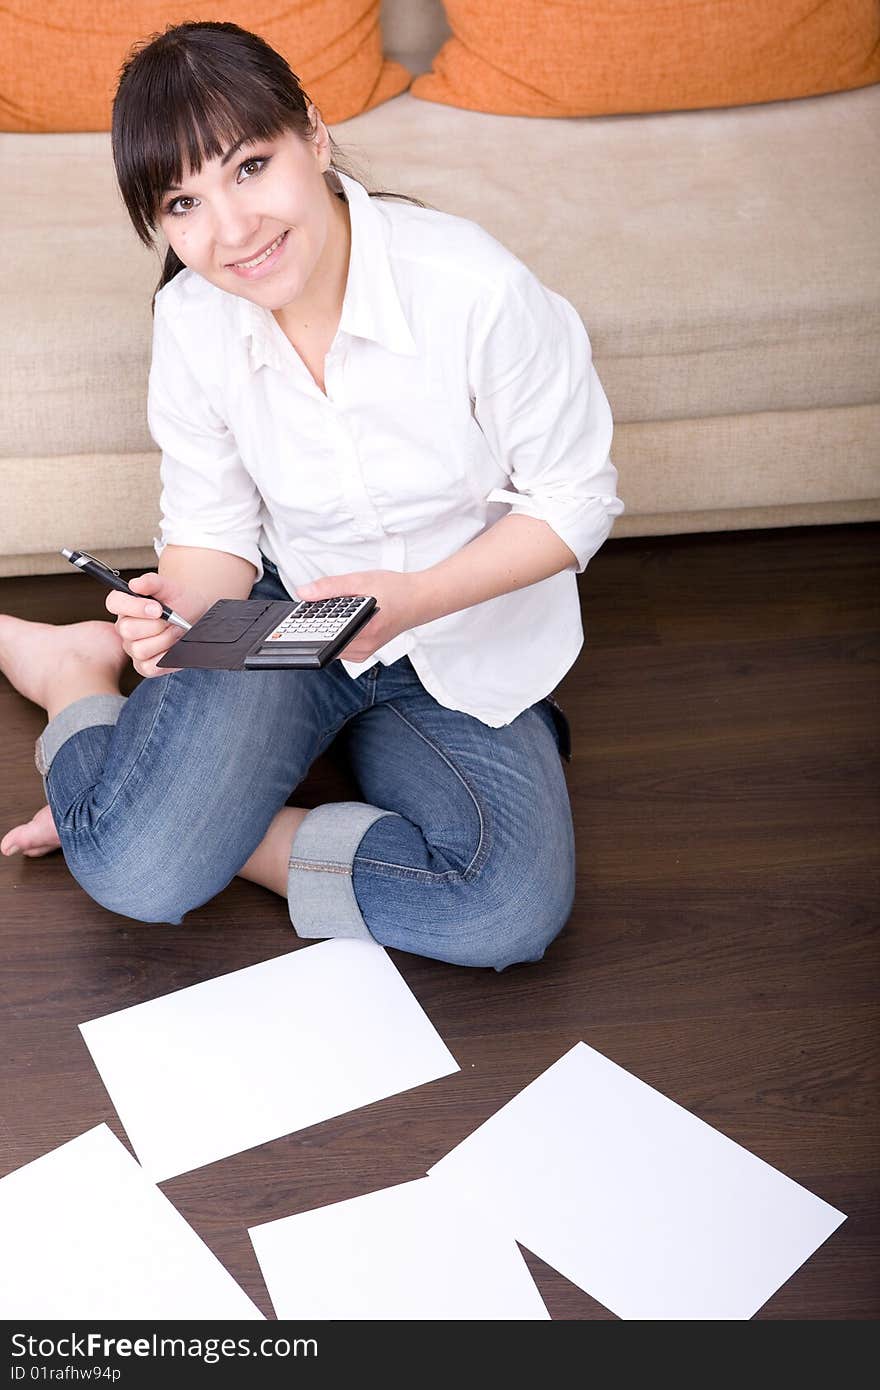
x=152, y=610
x=13, y=849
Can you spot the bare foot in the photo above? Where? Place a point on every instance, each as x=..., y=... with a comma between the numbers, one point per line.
x=41, y=660
x=33, y=839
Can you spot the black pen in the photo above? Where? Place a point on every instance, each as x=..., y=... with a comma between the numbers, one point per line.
x=112, y=578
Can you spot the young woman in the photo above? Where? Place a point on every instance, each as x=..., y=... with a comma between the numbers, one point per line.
x=352, y=394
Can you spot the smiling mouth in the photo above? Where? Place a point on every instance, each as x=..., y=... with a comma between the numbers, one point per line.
x=260, y=256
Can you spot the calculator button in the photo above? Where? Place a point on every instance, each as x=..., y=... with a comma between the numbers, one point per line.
x=322, y=620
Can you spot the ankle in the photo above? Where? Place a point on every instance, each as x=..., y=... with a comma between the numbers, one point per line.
x=268, y=865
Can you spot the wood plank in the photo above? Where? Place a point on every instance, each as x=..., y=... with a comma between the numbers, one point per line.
x=723, y=945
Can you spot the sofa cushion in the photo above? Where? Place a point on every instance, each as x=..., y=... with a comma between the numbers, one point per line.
x=559, y=58
x=770, y=469
x=723, y=262
x=59, y=73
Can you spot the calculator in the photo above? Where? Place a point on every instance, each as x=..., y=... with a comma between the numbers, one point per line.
x=271, y=634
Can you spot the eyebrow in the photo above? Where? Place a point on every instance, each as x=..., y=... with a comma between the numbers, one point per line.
x=224, y=159
x=245, y=140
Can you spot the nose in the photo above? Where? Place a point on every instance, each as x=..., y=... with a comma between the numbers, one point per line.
x=235, y=228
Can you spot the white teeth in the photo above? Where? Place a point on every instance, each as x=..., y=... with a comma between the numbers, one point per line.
x=258, y=260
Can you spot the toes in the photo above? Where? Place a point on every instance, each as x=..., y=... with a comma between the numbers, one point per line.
x=33, y=851
x=33, y=839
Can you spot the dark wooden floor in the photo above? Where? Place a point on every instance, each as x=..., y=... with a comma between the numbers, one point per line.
x=722, y=946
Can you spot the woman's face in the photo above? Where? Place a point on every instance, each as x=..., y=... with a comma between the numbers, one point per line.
x=257, y=221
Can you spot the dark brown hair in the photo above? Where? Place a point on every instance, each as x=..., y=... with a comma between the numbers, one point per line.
x=186, y=96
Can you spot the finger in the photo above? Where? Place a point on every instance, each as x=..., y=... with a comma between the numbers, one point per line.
x=137, y=629
x=337, y=586
x=358, y=651
x=130, y=606
x=149, y=583
x=321, y=588
x=150, y=669
x=151, y=648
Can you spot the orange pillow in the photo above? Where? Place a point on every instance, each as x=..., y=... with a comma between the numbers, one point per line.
x=596, y=57
x=59, y=64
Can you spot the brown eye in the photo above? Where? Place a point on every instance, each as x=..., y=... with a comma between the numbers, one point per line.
x=251, y=167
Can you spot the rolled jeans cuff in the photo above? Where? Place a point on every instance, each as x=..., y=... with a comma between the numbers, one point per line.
x=82, y=714
x=320, y=893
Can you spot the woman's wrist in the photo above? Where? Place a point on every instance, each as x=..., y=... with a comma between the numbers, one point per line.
x=427, y=596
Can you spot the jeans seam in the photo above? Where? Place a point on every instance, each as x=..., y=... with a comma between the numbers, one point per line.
x=322, y=866
x=481, y=852
x=404, y=871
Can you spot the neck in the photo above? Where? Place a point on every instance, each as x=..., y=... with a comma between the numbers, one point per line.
x=321, y=302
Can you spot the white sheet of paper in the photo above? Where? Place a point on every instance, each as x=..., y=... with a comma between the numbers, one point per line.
x=222, y=1066
x=405, y=1252
x=87, y=1235
x=635, y=1200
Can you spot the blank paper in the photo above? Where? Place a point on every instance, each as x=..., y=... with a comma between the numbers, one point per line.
x=219, y=1067
x=87, y=1235
x=639, y=1203
x=405, y=1252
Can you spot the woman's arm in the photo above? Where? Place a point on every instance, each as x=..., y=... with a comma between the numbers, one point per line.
x=207, y=574
x=516, y=551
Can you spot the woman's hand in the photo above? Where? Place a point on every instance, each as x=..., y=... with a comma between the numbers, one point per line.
x=145, y=634
x=399, y=596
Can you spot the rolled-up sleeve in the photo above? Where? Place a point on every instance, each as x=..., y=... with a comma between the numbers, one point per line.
x=540, y=404
x=208, y=498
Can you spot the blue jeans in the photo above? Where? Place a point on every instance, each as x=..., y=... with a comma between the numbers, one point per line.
x=462, y=849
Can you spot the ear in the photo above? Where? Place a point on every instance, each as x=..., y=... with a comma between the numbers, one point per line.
x=320, y=138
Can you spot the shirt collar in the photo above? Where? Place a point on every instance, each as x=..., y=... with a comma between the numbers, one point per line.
x=371, y=306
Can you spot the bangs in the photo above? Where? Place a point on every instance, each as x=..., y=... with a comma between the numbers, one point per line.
x=187, y=98
x=197, y=125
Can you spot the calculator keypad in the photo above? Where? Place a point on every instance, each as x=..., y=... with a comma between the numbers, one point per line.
x=319, y=621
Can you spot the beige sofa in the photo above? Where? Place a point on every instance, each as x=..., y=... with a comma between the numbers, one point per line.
x=726, y=264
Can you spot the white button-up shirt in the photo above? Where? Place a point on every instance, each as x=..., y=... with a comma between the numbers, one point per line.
x=458, y=389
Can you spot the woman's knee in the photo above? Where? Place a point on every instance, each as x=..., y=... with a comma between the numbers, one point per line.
x=515, y=937
x=480, y=923
x=161, y=903
x=139, y=882
x=140, y=862
x=517, y=907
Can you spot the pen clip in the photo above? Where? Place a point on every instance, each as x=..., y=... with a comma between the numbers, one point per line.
x=100, y=563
